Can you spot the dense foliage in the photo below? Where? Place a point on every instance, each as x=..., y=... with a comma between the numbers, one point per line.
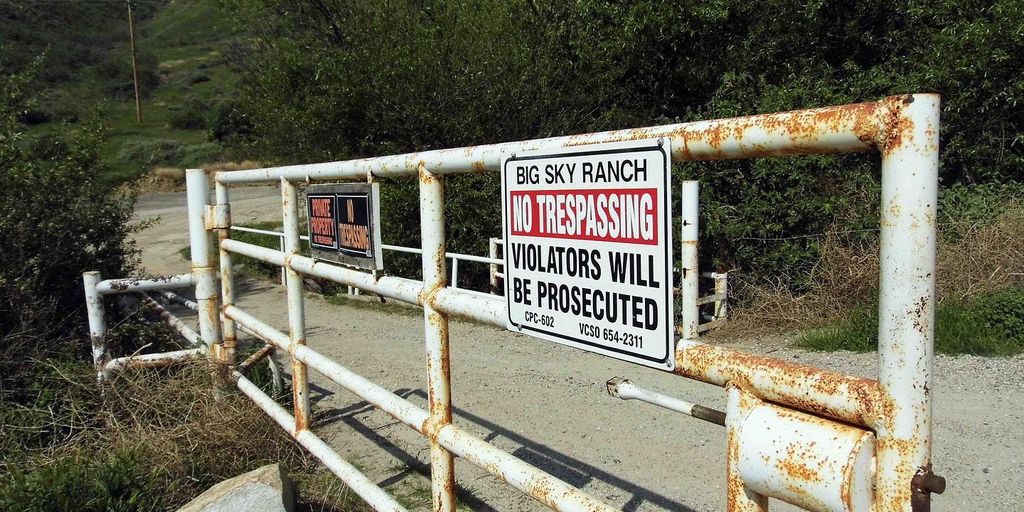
x=56, y=221
x=76, y=38
x=329, y=79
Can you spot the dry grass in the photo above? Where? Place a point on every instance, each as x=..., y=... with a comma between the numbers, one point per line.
x=985, y=258
x=180, y=432
x=232, y=166
x=160, y=179
x=172, y=179
x=982, y=258
x=169, y=173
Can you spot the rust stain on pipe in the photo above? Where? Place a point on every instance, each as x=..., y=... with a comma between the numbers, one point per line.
x=719, y=366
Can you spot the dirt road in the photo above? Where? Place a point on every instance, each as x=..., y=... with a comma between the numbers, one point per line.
x=546, y=403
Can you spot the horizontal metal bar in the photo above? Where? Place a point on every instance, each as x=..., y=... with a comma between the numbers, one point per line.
x=376, y=497
x=394, y=405
x=482, y=307
x=257, y=231
x=626, y=390
x=264, y=351
x=811, y=389
x=714, y=275
x=708, y=299
x=156, y=360
x=479, y=306
x=387, y=247
x=173, y=297
x=476, y=259
x=529, y=479
x=257, y=252
x=399, y=248
x=139, y=284
x=838, y=129
x=279, y=235
x=799, y=386
x=186, y=332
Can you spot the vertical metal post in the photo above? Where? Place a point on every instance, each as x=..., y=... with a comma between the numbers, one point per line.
x=455, y=272
x=277, y=383
x=738, y=497
x=492, y=252
x=97, y=323
x=198, y=197
x=296, y=306
x=442, y=464
x=284, y=272
x=906, y=305
x=227, y=277
x=722, y=290
x=688, y=260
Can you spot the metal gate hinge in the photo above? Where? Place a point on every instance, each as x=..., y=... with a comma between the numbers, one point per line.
x=218, y=216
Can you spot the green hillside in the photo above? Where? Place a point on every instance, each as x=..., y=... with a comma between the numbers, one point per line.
x=183, y=72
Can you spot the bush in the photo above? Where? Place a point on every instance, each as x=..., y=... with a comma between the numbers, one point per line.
x=321, y=83
x=48, y=147
x=34, y=116
x=230, y=124
x=192, y=115
x=56, y=221
x=194, y=155
x=116, y=70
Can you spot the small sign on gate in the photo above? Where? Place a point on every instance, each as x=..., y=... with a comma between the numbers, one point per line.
x=344, y=224
x=588, y=248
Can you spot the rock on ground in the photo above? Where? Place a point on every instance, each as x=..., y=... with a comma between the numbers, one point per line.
x=266, y=489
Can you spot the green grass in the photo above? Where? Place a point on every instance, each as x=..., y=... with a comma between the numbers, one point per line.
x=188, y=38
x=989, y=325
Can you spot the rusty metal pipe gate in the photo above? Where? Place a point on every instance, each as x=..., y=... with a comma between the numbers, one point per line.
x=875, y=435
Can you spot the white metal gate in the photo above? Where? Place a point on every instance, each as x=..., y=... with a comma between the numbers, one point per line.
x=808, y=436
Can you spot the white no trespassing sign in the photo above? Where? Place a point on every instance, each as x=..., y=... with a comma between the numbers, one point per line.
x=588, y=248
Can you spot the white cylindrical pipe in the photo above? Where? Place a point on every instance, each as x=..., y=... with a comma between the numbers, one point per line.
x=813, y=463
x=141, y=284
x=186, y=332
x=296, y=306
x=178, y=299
x=455, y=273
x=205, y=273
x=688, y=259
x=848, y=398
x=284, y=272
x=442, y=464
x=626, y=390
x=838, y=129
x=97, y=322
x=398, y=288
x=722, y=290
x=823, y=392
x=739, y=497
x=906, y=304
x=157, y=360
x=529, y=479
x=492, y=252
x=227, y=276
x=369, y=491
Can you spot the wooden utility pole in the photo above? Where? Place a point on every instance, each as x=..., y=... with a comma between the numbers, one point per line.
x=135, y=66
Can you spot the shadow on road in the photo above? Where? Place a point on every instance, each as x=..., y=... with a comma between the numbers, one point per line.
x=565, y=467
